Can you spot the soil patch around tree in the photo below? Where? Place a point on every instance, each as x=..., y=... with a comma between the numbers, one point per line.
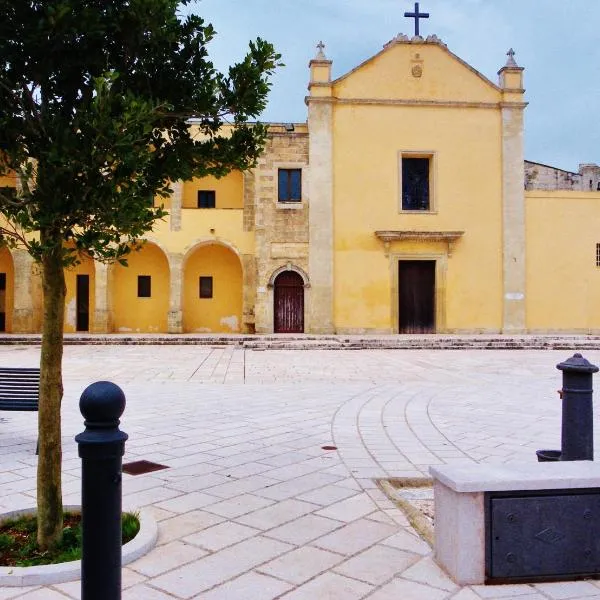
x=18, y=544
x=414, y=497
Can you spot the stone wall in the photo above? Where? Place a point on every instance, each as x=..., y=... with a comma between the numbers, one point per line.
x=281, y=229
x=545, y=177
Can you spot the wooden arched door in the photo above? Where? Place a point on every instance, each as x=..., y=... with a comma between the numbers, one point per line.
x=289, y=303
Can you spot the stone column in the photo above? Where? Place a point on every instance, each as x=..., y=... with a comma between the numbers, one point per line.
x=513, y=198
x=23, y=311
x=102, y=316
x=176, y=204
x=320, y=252
x=175, y=316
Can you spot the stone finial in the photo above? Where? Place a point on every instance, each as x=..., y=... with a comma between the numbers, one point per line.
x=320, y=54
x=399, y=38
x=511, y=62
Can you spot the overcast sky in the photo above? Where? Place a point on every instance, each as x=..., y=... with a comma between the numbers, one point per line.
x=557, y=41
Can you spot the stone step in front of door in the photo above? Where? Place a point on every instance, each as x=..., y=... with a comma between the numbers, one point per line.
x=327, y=342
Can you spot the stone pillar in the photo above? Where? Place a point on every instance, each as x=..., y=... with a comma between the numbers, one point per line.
x=513, y=198
x=320, y=252
x=24, y=320
x=175, y=316
x=102, y=315
x=176, y=204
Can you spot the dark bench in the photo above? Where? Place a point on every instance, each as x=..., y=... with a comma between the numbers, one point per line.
x=19, y=389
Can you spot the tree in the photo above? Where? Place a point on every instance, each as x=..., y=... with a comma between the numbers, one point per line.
x=95, y=98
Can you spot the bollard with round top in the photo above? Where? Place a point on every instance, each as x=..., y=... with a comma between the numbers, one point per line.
x=101, y=448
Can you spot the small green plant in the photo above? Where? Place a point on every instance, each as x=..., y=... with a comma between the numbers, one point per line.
x=19, y=547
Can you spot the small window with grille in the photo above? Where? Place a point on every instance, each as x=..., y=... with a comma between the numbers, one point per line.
x=144, y=286
x=206, y=287
x=207, y=199
x=598, y=255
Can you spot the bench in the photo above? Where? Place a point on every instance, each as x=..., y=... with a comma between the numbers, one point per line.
x=19, y=389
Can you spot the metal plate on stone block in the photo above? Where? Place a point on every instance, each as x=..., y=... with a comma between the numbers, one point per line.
x=543, y=535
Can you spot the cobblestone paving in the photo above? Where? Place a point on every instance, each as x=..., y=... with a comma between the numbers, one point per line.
x=252, y=507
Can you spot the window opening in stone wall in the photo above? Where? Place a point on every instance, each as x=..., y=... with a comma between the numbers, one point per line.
x=144, y=286
x=598, y=255
x=207, y=199
x=415, y=183
x=290, y=185
x=2, y=301
x=206, y=287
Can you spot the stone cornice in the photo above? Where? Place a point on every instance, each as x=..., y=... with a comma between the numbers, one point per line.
x=450, y=237
x=411, y=102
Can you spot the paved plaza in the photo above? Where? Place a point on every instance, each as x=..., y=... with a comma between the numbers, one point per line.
x=251, y=506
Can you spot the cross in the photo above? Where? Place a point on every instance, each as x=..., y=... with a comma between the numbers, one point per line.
x=416, y=16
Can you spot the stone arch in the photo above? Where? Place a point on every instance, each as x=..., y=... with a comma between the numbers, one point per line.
x=198, y=243
x=212, y=298
x=7, y=287
x=133, y=310
x=289, y=267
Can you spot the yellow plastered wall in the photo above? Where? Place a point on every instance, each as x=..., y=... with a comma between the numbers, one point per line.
x=229, y=190
x=464, y=143
x=8, y=181
x=563, y=281
x=141, y=315
x=222, y=312
x=6, y=266
x=86, y=267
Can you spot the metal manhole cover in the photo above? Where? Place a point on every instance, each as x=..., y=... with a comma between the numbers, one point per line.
x=139, y=467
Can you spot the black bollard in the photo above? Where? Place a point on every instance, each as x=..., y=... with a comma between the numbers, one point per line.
x=577, y=415
x=101, y=448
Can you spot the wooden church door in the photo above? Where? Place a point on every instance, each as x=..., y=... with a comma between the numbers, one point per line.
x=289, y=303
x=416, y=291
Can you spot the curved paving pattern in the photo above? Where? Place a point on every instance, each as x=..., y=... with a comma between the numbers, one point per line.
x=252, y=507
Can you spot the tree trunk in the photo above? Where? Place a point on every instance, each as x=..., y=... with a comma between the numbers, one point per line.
x=49, y=488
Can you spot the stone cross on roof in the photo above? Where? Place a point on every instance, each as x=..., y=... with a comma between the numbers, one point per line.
x=416, y=16
x=511, y=62
x=320, y=53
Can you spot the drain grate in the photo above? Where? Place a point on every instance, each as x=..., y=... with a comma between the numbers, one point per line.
x=139, y=467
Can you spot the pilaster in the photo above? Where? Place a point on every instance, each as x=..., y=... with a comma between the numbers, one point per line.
x=102, y=317
x=175, y=316
x=320, y=222
x=23, y=311
x=513, y=198
x=176, y=203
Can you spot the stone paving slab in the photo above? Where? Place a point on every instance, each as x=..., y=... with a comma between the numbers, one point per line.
x=251, y=506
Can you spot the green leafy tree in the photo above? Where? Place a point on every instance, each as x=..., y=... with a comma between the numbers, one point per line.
x=95, y=102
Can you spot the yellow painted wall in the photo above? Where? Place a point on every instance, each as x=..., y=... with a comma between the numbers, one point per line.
x=141, y=315
x=229, y=191
x=388, y=75
x=222, y=312
x=86, y=267
x=467, y=181
x=563, y=282
x=196, y=227
x=8, y=181
x=6, y=266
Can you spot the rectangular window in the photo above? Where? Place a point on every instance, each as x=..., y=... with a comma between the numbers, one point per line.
x=206, y=287
x=207, y=198
x=290, y=185
x=144, y=286
x=415, y=183
x=598, y=255
x=2, y=281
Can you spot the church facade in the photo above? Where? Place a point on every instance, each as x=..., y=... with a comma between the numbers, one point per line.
x=403, y=205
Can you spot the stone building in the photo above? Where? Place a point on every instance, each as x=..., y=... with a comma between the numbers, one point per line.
x=403, y=204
